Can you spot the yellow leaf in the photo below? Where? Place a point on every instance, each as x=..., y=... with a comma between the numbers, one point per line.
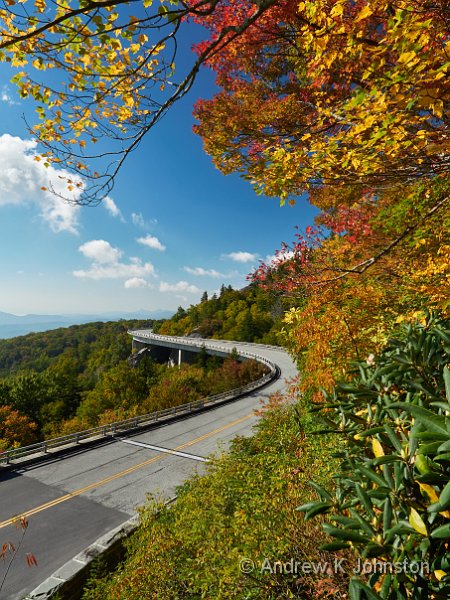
x=377, y=448
x=438, y=108
x=429, y=491
x=364, y=13
x=433, y=496
x=416, y=521
x=405, y=57
x=337, y=10
x=439, y=574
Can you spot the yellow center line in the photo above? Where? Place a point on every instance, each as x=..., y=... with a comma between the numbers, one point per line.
x=97, y=484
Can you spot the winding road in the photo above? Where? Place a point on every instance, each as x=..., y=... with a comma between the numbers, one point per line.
x=71, y=500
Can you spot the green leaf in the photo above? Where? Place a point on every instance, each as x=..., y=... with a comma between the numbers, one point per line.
x=372, y=476
x=345, y=521
x=447, y=382
x=357, y=590
x=384, y=590
x=345, y=534
x=382, y=460
x=307, y=506
x=444, y=498
x=441, y=532
x=432, y=422
x=320, y=508
x=372, y=550
x=393, y=437
x=371, y=431
x=387, y=474
x=363, y=523
x=434, y=447
x=442, y=457
x=334, y=546
x=364, y=499
x=428, y=435
x=441, y=562
x=321, y=491
x=387, y=515
x=402, y=528
x=435, y=507
x=444, y=405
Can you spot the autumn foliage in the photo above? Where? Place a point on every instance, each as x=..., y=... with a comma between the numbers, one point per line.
x=379, y=261
x=330, y=93
x=310, y=92
x=15, y=429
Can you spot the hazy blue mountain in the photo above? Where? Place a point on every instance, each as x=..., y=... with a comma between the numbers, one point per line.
x=9, y=319
x=14, y=325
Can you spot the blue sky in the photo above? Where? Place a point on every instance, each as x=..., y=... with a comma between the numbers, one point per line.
x=174, y=225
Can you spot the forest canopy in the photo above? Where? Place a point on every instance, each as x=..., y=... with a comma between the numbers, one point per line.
x=310, y=93
x=75, y=378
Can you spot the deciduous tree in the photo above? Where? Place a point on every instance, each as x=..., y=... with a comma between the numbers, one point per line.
x=102, y=70
x=331, y=93
x=15, y=429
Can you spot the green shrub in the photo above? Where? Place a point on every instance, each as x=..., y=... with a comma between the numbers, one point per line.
x=392, y=498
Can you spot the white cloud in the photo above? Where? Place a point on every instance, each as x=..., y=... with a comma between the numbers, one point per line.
x=279, y=258
x=204, y=272
x=105, y=263
x=152, y=242
x=116, y=271
x=136, y=282
x=6, y=96
x=24, y=180
x=139, y=221
x=112, y=208
x=100, y=251
x=242, y=257
x=180, y=286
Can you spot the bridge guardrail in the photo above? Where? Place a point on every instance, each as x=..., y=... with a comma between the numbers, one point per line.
x=195, y=341
x=110, y=430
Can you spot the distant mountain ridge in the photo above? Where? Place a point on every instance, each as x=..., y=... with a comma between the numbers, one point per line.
x=13, y=325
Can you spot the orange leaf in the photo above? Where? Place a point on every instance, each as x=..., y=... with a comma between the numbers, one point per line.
x=31, y=560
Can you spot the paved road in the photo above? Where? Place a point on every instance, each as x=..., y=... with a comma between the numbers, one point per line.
x=72, y=500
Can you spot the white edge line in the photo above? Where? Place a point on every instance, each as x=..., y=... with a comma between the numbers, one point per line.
x=165, y=450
